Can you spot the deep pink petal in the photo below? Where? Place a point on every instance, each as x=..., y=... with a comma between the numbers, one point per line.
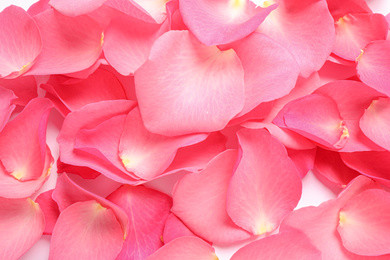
x=331, y=170
x=189, y=247
x=38, y=7
x=289, y=245
x=216, y=22
x=21, y=225
x=70, y=44
x=86, y=230
x=355, y=31
x=375, y=123
x=25, y=88
x=50, y=210
x=147, y=211
x=364, y=223
x=303, y=159
x=266, y=185
x=175, y=228
x=76, y=8
x=321, y=123
x=76, y=93
x=187, y=87
x=7, y=98
x=305, y=28
x=341, y=8
x=20, y=42
x=373, y=66
x=127, y=42
x=199, y=200
x=67, y=193
x=270, y=70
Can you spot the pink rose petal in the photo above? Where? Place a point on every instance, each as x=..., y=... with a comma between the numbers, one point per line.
x=175, y=228
x=76, y=8
x=25, y=88
x=50, y=210
x=7, y=98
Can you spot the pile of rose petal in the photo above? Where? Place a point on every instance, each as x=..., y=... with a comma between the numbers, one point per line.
x=235, y=100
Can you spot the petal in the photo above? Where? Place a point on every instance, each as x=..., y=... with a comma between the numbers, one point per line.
x=50, y=210
x=279, y=246
x=303, y=159
x=216, y=22
x=20, y=42
x=364, y=223
x=25, y=88
x=21, y=225
x=76, y=93
x=6, y=105
x=76, y=8
x=69, y=44
x=148, y=155
x=187, y=87
x=305, y=28
x=86, y=230
x=373, y=66
x=189, y=247
x=199, y=200
x=270, y=70
x=266, y=185
x=147, y=211
x=375, y=123
x=127, y=42
x=175, y=228
x=340, y=8
x=355, y=31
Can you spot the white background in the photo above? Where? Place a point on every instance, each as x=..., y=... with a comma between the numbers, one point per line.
x=314, y=193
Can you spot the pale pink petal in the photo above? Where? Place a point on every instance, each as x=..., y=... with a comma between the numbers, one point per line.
x=20, y=42
x=331, y=170
x=76, y=8
x=25, y=88
x=374, y=164
x=76, y=93
x=364, y=223
x=7, y=98
x=127, y=42
x=21, y=225
x=147, y=211
x=375, y=123
x=289, y=245
x=25, y=158
x=373, y=66
x=355, y=31
x=50, y=210
x=175, y=228
x=321, y=123
x=86, y=230
x=148, y=155
x=216, y=22
x=187, y=87
x=266, y=185
x=88, y=117
x=70, y=44
x=199, y=200
x=270, y=70
x=305, y=28
x=189, y=247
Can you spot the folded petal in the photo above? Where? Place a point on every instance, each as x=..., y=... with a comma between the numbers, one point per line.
x=303, y=159
x=127, y=42
x=270, y=70
x=305, y=28
x=20, y=42
x=375, y=123
x=355, y=31
x=76, y=93
x=266, y=185
x=279, y=247
x=25, y=88
x=216, y=22
x=373, y=66
x=50, y=210
x=189, y=247
x=187, y=87
x=86, y=230
x=7, y=98
x=147, y=211
x=76, y=8
x=70, y=44
x=25, y=158
x=340, y=8
x=21, y=225
x=364, y=223
x=175, y=228
x=199, y=200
